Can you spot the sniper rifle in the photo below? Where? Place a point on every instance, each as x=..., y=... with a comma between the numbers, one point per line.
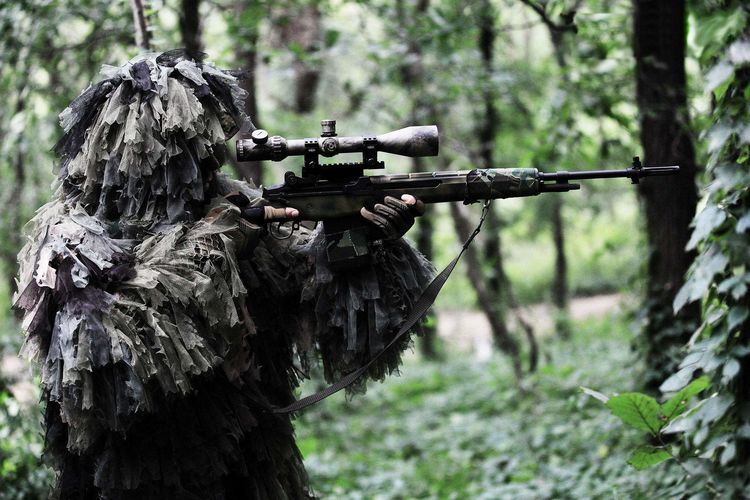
x=334, y=193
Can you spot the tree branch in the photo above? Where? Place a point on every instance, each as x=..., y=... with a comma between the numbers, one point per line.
x=140, y=19
x=567, y=17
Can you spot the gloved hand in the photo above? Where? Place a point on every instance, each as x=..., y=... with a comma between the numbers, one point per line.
x=394, y=217
x=261, y=215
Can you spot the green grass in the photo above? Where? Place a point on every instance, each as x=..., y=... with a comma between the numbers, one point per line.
x=462, y=429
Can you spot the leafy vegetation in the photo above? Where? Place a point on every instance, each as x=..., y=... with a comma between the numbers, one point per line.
x=716, y=429
x=21, y=474
x=462, y=429
x=711, y=438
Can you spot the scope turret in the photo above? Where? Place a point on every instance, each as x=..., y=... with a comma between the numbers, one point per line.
x=410, y=141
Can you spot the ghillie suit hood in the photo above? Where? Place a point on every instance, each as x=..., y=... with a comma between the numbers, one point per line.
x=142, y=145
x=163, y=323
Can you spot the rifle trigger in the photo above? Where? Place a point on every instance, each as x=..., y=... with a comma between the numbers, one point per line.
x=278, y=234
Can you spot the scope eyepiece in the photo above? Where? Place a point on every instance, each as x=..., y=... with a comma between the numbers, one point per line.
x=415, y=141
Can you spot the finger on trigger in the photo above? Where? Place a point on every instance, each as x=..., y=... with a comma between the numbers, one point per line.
x=280, y=214
x=291, y=213
x=409, y=199
x=416, y=205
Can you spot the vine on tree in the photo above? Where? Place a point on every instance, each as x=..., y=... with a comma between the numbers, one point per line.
x=711, y=439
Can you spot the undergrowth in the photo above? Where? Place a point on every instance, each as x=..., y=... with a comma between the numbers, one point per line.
x=461, y=429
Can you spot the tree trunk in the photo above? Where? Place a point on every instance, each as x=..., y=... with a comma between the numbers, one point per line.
x=15, y=215
x=247, y=28
x=298, y=27
x=560, y=286
x=486, y=133
x=557, y=33
x=498, y=284
x=659, y=47
x=496, y=317
x=560, y=283
x=190, y=28
x=560, y=291
x=307, y=69
x=412, y=76
x=425, y=230
x=140, y=20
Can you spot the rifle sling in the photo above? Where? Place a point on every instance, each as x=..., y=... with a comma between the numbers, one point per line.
x=417, y=312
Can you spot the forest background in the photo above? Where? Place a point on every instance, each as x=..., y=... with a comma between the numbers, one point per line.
x=555, y=84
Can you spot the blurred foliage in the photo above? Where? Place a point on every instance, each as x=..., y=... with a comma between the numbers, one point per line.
x=22, y=476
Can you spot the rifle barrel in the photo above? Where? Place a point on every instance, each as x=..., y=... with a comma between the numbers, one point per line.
x=632, y=173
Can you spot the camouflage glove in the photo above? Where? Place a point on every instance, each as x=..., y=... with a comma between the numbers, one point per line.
x=394, y=217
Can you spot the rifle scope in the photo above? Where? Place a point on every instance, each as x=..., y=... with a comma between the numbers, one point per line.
x=410, y=141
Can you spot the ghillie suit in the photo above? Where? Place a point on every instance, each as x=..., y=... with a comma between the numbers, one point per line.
x=165, y=324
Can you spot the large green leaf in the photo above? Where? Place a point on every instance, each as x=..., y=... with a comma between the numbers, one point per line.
x=646, y=456
x=677, y=404
x=709, y=219
x=637, y=410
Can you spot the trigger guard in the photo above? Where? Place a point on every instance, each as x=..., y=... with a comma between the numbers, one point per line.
x=278, y=234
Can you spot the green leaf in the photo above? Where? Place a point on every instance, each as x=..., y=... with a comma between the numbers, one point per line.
x=637, y=410
x=730, y=370
x=718, y=136
x=737, y=315
x=595, y=394
x=736, y=285
x=739, y=52
x=554, y=8
x=728, y=454
x=709, y=219
x=331, y=37
x=712, y=31
x=743, y=224
x=718, y=75
x=678, y=403
x=705, y=267
x=714, y=409
x=646, y=456
x=678, y=380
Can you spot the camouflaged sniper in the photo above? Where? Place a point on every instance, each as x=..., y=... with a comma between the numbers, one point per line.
x=163, y=323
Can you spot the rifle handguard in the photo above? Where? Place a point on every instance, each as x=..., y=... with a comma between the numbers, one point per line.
x=494, y=183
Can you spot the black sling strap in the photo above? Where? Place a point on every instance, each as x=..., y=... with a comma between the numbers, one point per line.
x=417, y=312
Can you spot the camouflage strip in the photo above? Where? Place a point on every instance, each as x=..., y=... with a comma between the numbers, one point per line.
x=494, y=183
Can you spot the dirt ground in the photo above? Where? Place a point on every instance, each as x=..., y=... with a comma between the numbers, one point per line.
x=469, y=331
